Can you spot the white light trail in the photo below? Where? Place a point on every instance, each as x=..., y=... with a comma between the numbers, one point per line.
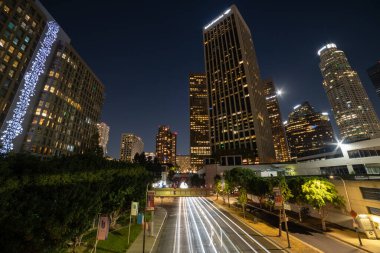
x=209, y=205
x=196, y=228
x=14, y=125
x=187, y=227
x=204, y=228
x=206, y=215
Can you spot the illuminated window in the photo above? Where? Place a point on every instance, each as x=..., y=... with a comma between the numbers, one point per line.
x=2, y=42
x=19, y=55
x=11, y=49
x=6, y=9
x=15, y=64
x=38, y=111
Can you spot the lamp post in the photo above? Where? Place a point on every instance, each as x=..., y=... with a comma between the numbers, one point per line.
x=350, y=208
x=146, y=200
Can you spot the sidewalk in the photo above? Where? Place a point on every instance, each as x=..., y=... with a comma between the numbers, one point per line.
x=159, y=219
x=267, y=231
x=337, y=232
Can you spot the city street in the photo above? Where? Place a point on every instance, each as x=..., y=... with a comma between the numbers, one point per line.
x=197, y=225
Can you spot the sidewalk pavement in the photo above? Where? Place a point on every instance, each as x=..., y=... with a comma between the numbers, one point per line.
x=267, y=231
x=337, y=232
x=150, y=240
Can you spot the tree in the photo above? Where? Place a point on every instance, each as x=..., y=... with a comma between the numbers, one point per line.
x=260, y=188
x=319, y=193
x=243, y=199
x=196, y=180
x=295, y=185
x=218, y=185
x=95, y=148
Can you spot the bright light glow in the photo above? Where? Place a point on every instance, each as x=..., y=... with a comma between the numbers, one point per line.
x=285, y=122
x=14, y=125
x=217, y=19
x=279, y=92
x=331, y=45
x=325, y=113
x=339, y=144
x=295, y=107
x=183, y=185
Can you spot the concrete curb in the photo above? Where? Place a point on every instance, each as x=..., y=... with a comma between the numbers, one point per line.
x=258, y=232
x=319, y=231
x=158, y=233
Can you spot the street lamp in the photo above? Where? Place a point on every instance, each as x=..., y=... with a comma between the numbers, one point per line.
x=146, y=200
x=349, y=206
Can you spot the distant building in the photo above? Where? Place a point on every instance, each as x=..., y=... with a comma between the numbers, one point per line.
x=239, y=122
x=183, y=162
x=374, y=74
x=50, y=99
x=130, y=145
x=150, y=155
x=104, y=131
x=199, y=123
x=353, y=111
x=166, y=145
x=309, y=132
x=278, y=131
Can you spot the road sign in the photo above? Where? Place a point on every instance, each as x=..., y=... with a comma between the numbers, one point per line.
x=353, y=214
x=134, y=208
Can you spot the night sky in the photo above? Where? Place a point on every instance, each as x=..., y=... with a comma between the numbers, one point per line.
x=143, y=51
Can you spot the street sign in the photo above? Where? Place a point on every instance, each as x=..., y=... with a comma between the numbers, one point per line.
x=150, y=200
x=353, y=214
x=287, y=206
x=278, y=200
x=134, y=208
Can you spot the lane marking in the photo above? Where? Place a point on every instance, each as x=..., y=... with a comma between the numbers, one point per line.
x=253, y=239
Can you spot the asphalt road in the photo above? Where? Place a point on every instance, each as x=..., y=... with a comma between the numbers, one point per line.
x=197, y=225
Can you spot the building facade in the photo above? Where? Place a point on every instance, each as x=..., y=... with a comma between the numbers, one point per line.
x=353, y=111
x=184, y=163
x=374, y=75
x=278, y=131
x=50, y=99
x=104, y=132
x=199, y=124
x=308, y=132
x=130, y=145
x=166, y=145
x=239, y=122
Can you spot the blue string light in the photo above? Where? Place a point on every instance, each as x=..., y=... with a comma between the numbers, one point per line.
x=14, y=125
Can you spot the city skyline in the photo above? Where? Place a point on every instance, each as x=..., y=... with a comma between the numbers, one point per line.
x=293, y=63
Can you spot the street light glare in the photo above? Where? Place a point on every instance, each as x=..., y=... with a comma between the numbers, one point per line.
x=279, y=92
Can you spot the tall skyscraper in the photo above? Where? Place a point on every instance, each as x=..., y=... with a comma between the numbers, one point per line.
x=309, y=132
x=50, y=99
x=183, y=163
x=374, y=74
x=130, y=145
x=199, y=125
x=278, y=131
x=239, y=122
x=353, y=111
x=166, y=145
x=104, y=132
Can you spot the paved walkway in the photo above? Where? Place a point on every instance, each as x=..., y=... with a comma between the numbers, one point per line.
x=337, y=232
x=159, y=219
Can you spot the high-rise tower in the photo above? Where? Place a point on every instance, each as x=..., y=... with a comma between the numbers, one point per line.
x=239, y=122
x=309, y=132
x=50, y=100
x=353, y=111
x=104, y=133
x=374, y=74
x=166, y=145
x=199, y=126
x=130, y=145
x=278, y=131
